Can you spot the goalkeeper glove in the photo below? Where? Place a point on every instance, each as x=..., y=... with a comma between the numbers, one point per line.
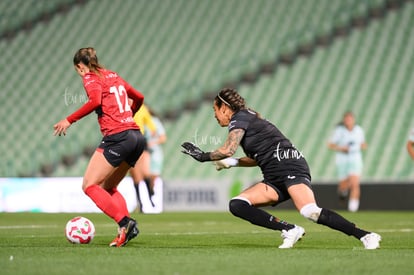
x=226, y=163
x=192, y=150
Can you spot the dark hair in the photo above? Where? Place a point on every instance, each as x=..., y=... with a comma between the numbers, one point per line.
x=231, y=98
x=88, y=57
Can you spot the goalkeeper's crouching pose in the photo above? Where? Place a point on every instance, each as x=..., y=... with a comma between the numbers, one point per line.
x=285, y=171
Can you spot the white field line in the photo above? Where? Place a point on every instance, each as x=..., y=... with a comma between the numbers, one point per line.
x=39, y=226
x=402, y=230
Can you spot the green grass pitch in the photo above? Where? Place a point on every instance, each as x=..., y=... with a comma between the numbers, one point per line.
x=204, y=243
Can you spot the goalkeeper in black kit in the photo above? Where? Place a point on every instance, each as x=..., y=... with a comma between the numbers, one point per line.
x=285, y=172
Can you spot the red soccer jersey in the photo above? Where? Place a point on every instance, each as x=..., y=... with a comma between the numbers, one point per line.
x=108, y=95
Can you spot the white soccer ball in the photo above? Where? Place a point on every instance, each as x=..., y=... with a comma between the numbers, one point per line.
x=80, y=230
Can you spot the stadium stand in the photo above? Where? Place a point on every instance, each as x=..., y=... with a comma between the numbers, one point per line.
x=179, y=52
x=23, y=15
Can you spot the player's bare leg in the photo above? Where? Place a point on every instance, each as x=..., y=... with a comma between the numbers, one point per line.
x=139, y=173
x=343, y=189
x=99, y=180
x=354, y=194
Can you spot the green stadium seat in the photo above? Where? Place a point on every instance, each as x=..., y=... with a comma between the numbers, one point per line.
x=176, y=51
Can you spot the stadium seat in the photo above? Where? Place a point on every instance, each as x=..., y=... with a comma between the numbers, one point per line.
x=176, y=51
x=361, y=83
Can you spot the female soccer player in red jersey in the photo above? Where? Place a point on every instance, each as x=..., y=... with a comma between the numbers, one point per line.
x=285, y=171
x=115, y=101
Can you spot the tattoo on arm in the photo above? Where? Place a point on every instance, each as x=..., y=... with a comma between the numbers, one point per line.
x=230, y=145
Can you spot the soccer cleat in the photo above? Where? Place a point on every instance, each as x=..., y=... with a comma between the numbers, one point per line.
x=115, y=241
x=371, y=241
x=290, y=237
x=127, y=233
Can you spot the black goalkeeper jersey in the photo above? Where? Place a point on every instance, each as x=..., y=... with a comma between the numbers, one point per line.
x=273, y=152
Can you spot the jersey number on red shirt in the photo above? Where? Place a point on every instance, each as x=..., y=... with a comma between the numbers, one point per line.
x=121, y=96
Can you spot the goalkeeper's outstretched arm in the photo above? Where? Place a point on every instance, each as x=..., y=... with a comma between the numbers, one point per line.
x=225, y=152
x=229, y=147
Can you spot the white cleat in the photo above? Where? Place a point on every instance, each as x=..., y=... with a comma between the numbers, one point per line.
x=290, y=237
x=371, y=241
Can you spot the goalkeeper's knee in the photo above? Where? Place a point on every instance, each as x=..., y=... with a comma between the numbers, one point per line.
x=237, y=206
x=311, y=211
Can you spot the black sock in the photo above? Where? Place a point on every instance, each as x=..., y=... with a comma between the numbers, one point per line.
x=337, y=222
x=138, y=197
x=123, y=222
x=244, y=210
x=150, y=189
x=136, y=189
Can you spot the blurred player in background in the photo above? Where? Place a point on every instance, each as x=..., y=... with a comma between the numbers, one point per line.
x=348, y=140
x=122, y=143
x=285, y=171
x=141, y=172
x=155, y=142
x=410, y=144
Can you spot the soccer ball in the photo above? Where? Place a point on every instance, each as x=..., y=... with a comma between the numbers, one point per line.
x=80, y=230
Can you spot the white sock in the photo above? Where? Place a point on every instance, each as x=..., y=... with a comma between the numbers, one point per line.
x=353, y=205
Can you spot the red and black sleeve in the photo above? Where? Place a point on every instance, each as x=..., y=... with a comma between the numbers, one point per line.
x=136, y=96
x=95, y=100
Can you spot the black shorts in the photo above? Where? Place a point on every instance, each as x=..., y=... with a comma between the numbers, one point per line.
x=124, y=146
x=281, y=185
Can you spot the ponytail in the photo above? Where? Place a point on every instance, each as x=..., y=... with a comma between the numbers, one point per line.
x=88, y=57
x=233, y=99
